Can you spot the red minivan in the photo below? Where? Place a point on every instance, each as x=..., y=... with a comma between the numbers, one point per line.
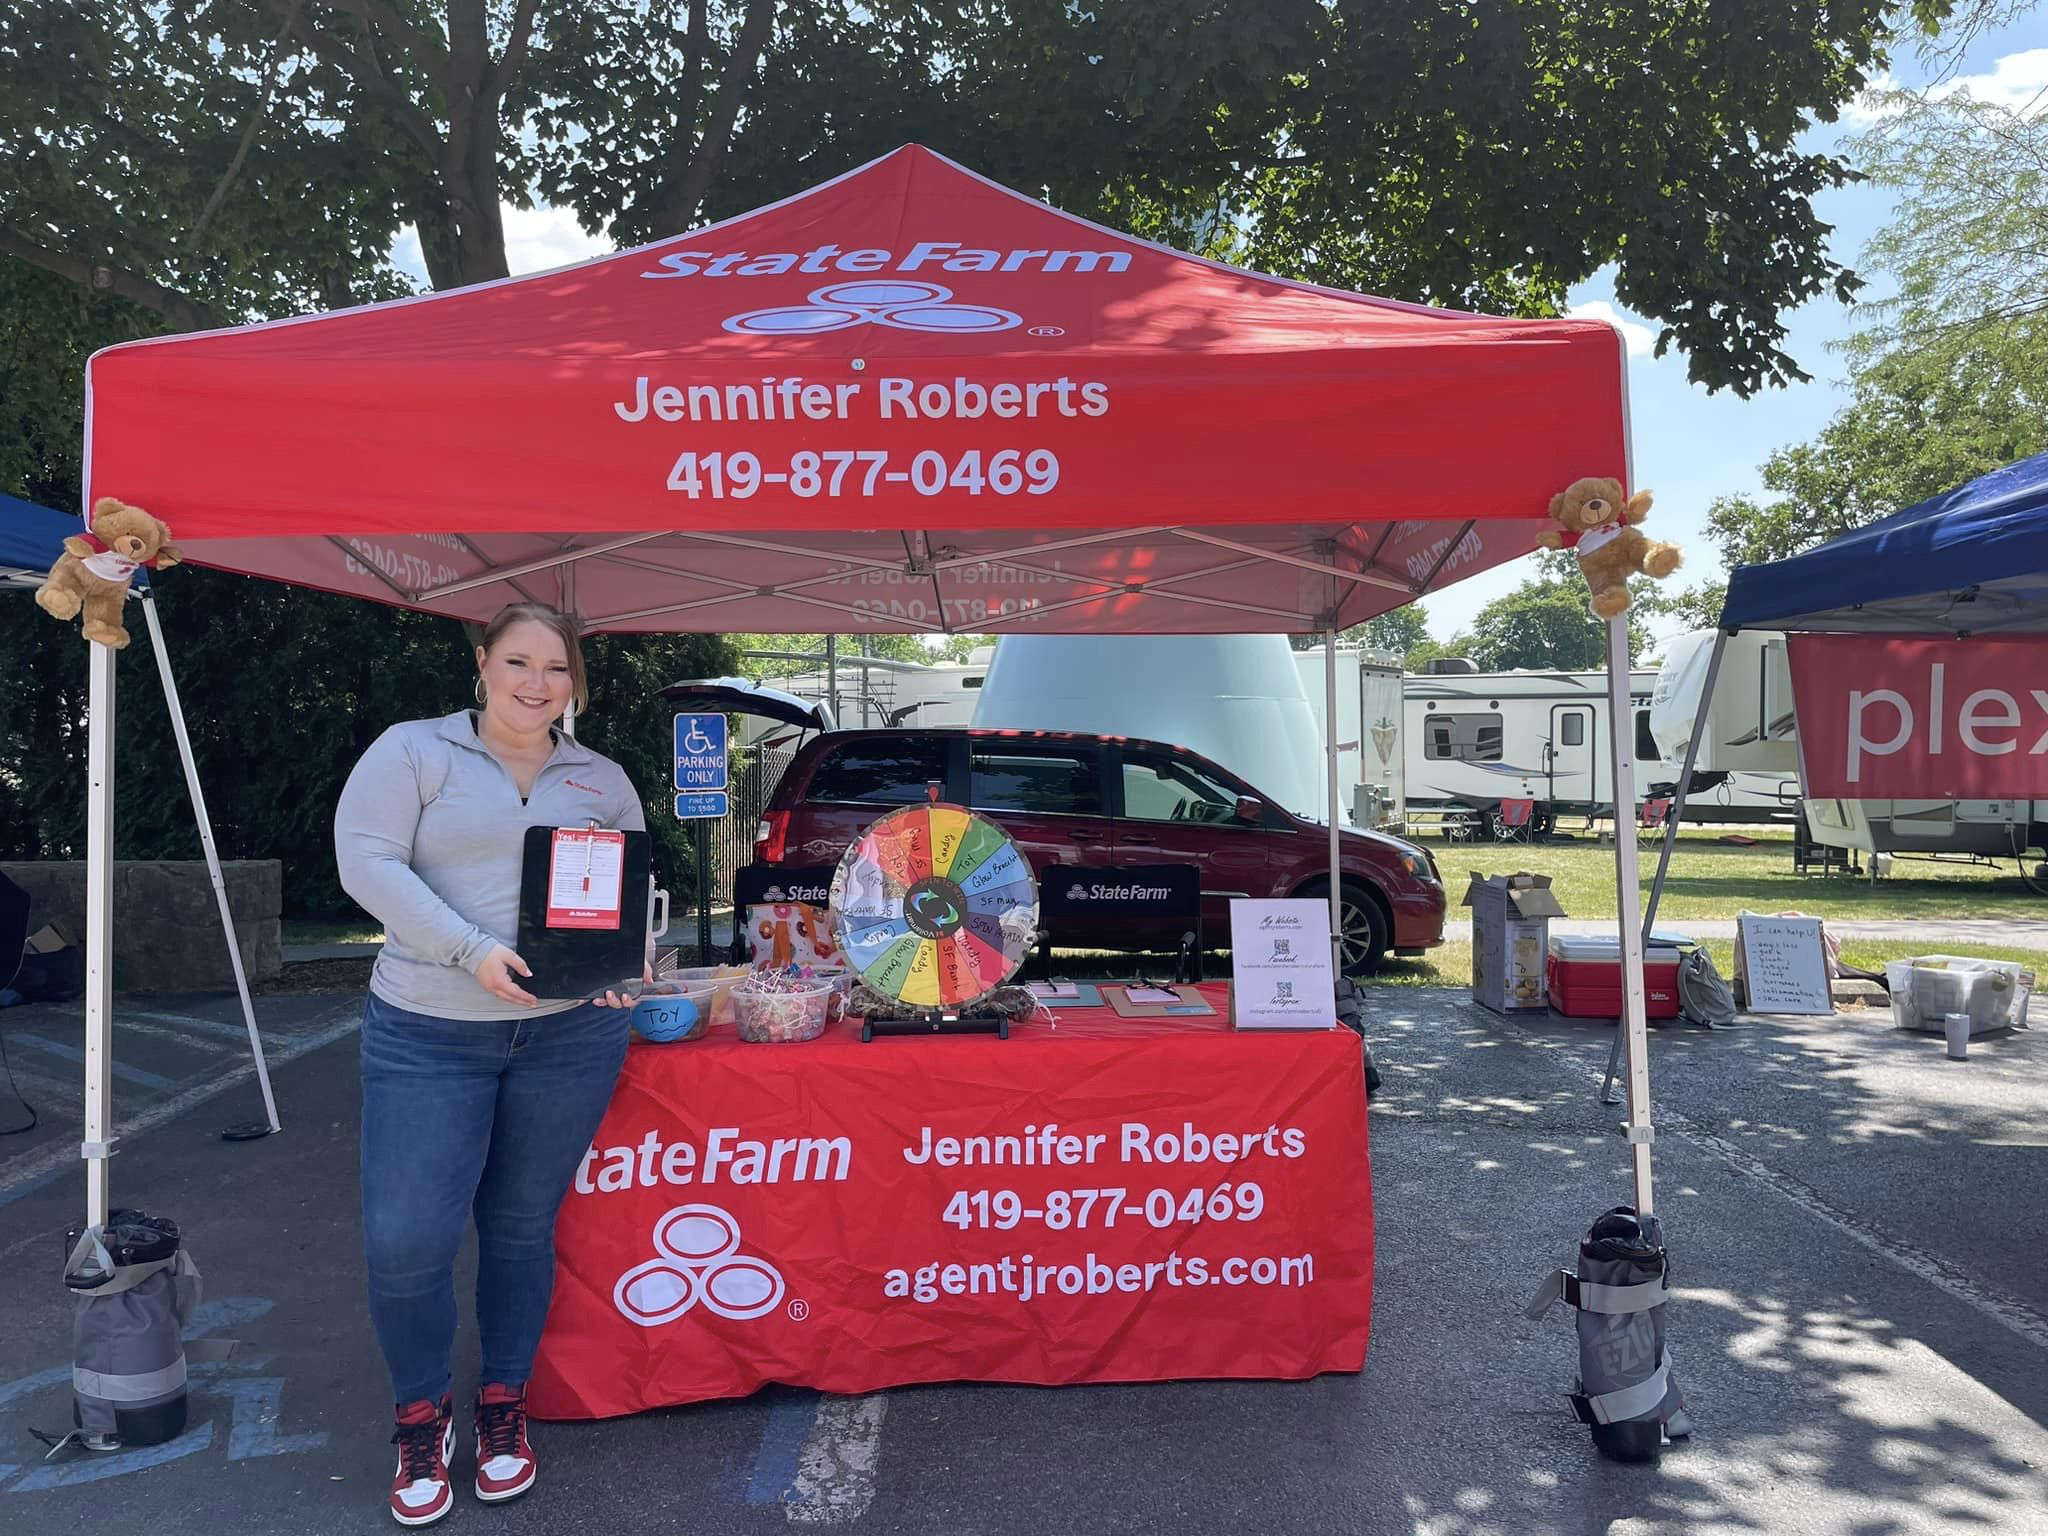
x=1080, y=801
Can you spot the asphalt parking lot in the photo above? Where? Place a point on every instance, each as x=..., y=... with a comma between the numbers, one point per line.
x=1862, y=1323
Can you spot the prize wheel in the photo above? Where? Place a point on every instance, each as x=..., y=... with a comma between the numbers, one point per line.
x=934, y=907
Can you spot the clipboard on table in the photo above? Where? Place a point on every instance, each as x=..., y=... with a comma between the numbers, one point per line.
x=583, y=901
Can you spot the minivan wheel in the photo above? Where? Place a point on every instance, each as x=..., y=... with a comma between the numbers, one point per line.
x=1364, y=948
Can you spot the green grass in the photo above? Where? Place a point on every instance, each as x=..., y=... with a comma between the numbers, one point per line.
x=1450, y=965
x=299, y=931
x=1715, y=880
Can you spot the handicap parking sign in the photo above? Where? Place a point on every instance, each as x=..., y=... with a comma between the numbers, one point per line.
x=701, y=766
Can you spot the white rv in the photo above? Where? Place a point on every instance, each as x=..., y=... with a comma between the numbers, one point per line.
x=1477, y=738
x=1371, y=766
x=1751, y=729
x=875, y=691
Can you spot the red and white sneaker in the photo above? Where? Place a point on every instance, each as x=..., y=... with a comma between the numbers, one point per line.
x=425, y=1437
x=505, y=1465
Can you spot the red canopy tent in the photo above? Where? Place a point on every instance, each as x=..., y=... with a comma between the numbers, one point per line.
x=1022, y=420
x=908, y=399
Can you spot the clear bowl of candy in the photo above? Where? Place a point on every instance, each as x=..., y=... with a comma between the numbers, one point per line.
x=771, y=1008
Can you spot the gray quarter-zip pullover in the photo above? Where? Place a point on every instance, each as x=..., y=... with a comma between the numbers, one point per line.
x=429, y=835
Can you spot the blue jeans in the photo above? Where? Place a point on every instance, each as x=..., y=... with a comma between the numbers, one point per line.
x=482, y=1116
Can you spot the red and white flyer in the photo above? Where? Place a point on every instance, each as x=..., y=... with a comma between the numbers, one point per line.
x=586, y=876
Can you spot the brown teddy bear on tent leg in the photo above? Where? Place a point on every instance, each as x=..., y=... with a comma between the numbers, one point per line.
x=1598, y=524
x=93, y=572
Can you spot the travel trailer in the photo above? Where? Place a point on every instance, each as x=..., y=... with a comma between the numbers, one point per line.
x=1371, y=765
x=1752, y=729
x=875, y=691
x=1477, y=738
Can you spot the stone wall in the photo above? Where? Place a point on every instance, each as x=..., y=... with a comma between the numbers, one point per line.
x=167, y=934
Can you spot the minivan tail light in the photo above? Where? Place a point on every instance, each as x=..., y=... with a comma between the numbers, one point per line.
x=771, y=837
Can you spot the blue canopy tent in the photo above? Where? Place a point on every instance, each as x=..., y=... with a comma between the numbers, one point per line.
x=1971, y=561
x=31, y=540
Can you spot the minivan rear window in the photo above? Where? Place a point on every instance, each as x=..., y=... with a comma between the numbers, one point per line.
x=874, y=772
x=1053, y=781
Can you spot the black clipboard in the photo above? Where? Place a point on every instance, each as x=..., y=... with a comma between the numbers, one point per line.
x=582, y=962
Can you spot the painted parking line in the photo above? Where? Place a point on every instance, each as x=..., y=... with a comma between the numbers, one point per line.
x=819, y=1456
x=192, y=1041
x=835, y=1478
x=32, y=1169
x=227, y=1031
x=73, y=1053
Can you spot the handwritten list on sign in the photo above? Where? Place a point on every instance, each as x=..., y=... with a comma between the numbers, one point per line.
x=1785, y=961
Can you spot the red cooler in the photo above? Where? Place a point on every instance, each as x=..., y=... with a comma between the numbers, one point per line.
x=1585, y=978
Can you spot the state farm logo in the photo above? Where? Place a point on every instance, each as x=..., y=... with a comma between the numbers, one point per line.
x=899, y=306
x=700, y=1262
x=1107, y=892
x=814, y=895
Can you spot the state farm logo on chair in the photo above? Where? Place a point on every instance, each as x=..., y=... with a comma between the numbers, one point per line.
x=700, y=1262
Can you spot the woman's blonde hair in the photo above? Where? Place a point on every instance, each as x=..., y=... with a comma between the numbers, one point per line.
x=561, y=624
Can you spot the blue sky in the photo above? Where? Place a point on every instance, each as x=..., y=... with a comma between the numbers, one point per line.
x=1690, y=446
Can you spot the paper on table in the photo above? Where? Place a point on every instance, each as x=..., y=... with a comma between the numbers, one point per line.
x=1151, y=995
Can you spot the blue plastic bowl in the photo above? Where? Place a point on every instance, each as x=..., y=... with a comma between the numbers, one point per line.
x=667, y=1019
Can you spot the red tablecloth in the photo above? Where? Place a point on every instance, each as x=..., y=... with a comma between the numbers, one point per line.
x=1093, y=1199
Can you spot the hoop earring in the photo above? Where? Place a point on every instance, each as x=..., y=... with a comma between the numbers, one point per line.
x=480, y=688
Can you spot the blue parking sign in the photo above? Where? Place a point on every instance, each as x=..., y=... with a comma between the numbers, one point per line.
x=701, y=766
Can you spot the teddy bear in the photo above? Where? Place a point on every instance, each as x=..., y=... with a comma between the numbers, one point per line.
x=1597, y=523
x=92, y=574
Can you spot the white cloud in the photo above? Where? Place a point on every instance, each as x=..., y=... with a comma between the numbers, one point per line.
x=539, y=238
x=536, y=240
x=2018, y=82
x=1864, y=110
x=1640, y=339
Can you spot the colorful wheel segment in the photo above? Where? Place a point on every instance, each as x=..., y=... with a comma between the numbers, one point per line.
x=934, y=907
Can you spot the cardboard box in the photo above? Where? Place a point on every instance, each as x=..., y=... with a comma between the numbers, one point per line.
x=48, y=939
x=1510, y=940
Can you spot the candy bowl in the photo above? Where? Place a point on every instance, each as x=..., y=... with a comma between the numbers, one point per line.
x=774, y=1009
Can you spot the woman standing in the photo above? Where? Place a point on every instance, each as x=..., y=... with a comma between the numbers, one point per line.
x=478, y=1099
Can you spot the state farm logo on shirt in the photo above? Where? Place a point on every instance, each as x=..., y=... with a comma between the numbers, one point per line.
x=587, y=789
x=699, y=1262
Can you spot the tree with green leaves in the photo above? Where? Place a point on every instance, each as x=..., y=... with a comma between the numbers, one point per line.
x=237, y=159
x=1949, y=368
x=1404, y=631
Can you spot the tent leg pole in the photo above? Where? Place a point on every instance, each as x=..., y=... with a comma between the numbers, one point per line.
x=1330, y=768
x=99, y=931
x=1628, y=900
x=206, y=843
x=1692, y=752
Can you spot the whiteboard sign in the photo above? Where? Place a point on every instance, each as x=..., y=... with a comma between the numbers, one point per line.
x=1785, y=962
x=1281, y=975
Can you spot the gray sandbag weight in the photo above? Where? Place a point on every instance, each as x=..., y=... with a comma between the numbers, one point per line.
x=1625, y=1390
x=136, y=1289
